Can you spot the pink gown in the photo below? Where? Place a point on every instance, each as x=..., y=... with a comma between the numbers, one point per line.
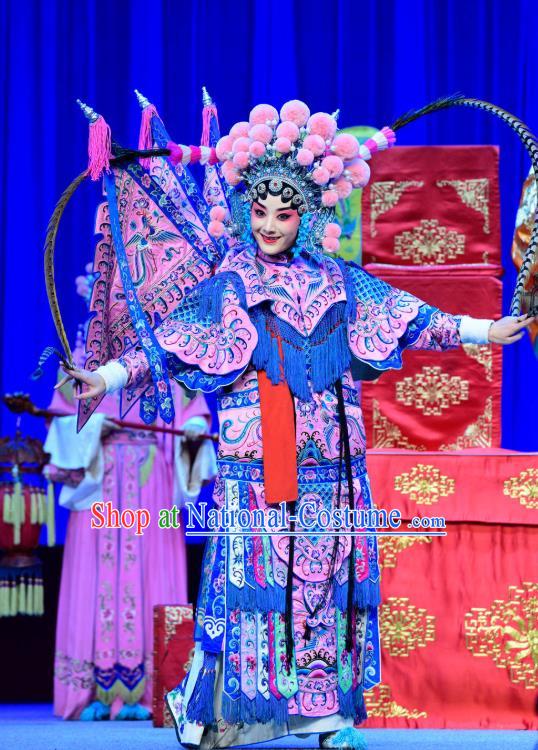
x=111, y=578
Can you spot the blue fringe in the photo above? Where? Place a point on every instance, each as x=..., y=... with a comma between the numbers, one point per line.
x=295, y=370
x=324, y=356
x=279, y=709
x=265, y=355
x=346, y=701
x=259, y=710
x=257, y=599
x=360, y=708
x=231, y=709
x=201, y=706
x=248, y=709
x=210, y=293
x=331, y=355
x=365, y=594
x=263, y=709
x=270, y=599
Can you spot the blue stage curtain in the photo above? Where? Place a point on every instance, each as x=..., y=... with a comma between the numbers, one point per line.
x=372, y=59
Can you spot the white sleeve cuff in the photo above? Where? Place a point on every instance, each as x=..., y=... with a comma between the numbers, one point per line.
x=194, y=422
x=114, y=374
x=474, y=330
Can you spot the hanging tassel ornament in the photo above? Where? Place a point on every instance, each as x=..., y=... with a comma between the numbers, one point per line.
x=145, y=138
x=33, y=508
x=99, y=142
x=7, y=512
x=208, y=112
x=17, y=500
x=40, y=508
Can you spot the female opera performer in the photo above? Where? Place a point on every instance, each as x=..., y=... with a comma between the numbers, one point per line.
x=286, y=627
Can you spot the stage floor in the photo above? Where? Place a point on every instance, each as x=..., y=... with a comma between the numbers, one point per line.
x=33, y=727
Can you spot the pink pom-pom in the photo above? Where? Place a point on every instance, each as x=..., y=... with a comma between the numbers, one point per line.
x=261, y=133
x=358, y=172
x=390, y=135
x=333, y=230
x=331, y=244
x=224, y=147
x=334, y=165
x=314, y=143
x=218, y=213
x=240, y=144
x=230, y=173
x=288, y=130
x=343, y=187
x=321, y=176
x=240, y=130
x=283, y=145
x=262, y=114
x=215, y=228
x=257, y=148
x=240, y=159
x=322, y=124
x=304, y=157
x=329, y=198
x=295, y=111
x=345, y=146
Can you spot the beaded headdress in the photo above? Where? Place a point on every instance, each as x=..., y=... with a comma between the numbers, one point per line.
x=295, y=155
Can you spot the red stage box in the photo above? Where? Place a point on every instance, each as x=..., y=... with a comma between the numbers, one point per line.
x=457, y=625
x=173, y=630
x=459, y=612
x=431, y=205
x=440, y=400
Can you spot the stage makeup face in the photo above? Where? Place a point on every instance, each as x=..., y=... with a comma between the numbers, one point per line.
x=274, y=224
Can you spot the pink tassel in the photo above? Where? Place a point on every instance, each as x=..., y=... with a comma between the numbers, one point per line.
x=99, y=148
x=208, y=111
x=145, y=140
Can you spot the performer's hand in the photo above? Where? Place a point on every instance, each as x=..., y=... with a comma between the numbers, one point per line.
x=509, y=329
x=96, y=383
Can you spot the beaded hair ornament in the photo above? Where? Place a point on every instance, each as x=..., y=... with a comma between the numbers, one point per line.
x=295, y=155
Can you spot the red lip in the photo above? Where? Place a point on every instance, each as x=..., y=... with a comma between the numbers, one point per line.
x=269, y=240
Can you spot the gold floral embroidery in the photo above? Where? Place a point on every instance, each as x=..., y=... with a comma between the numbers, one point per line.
x=478, y=434
x=431, y=390
x=507, y=632
x=379, y=702
x=390, y=546
x=384, y=196
x=404, y=627
x=483, y=354
x=429, y=242
x=387, y=434
x=473, y=193
x=424, y=484
x=524, y=488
